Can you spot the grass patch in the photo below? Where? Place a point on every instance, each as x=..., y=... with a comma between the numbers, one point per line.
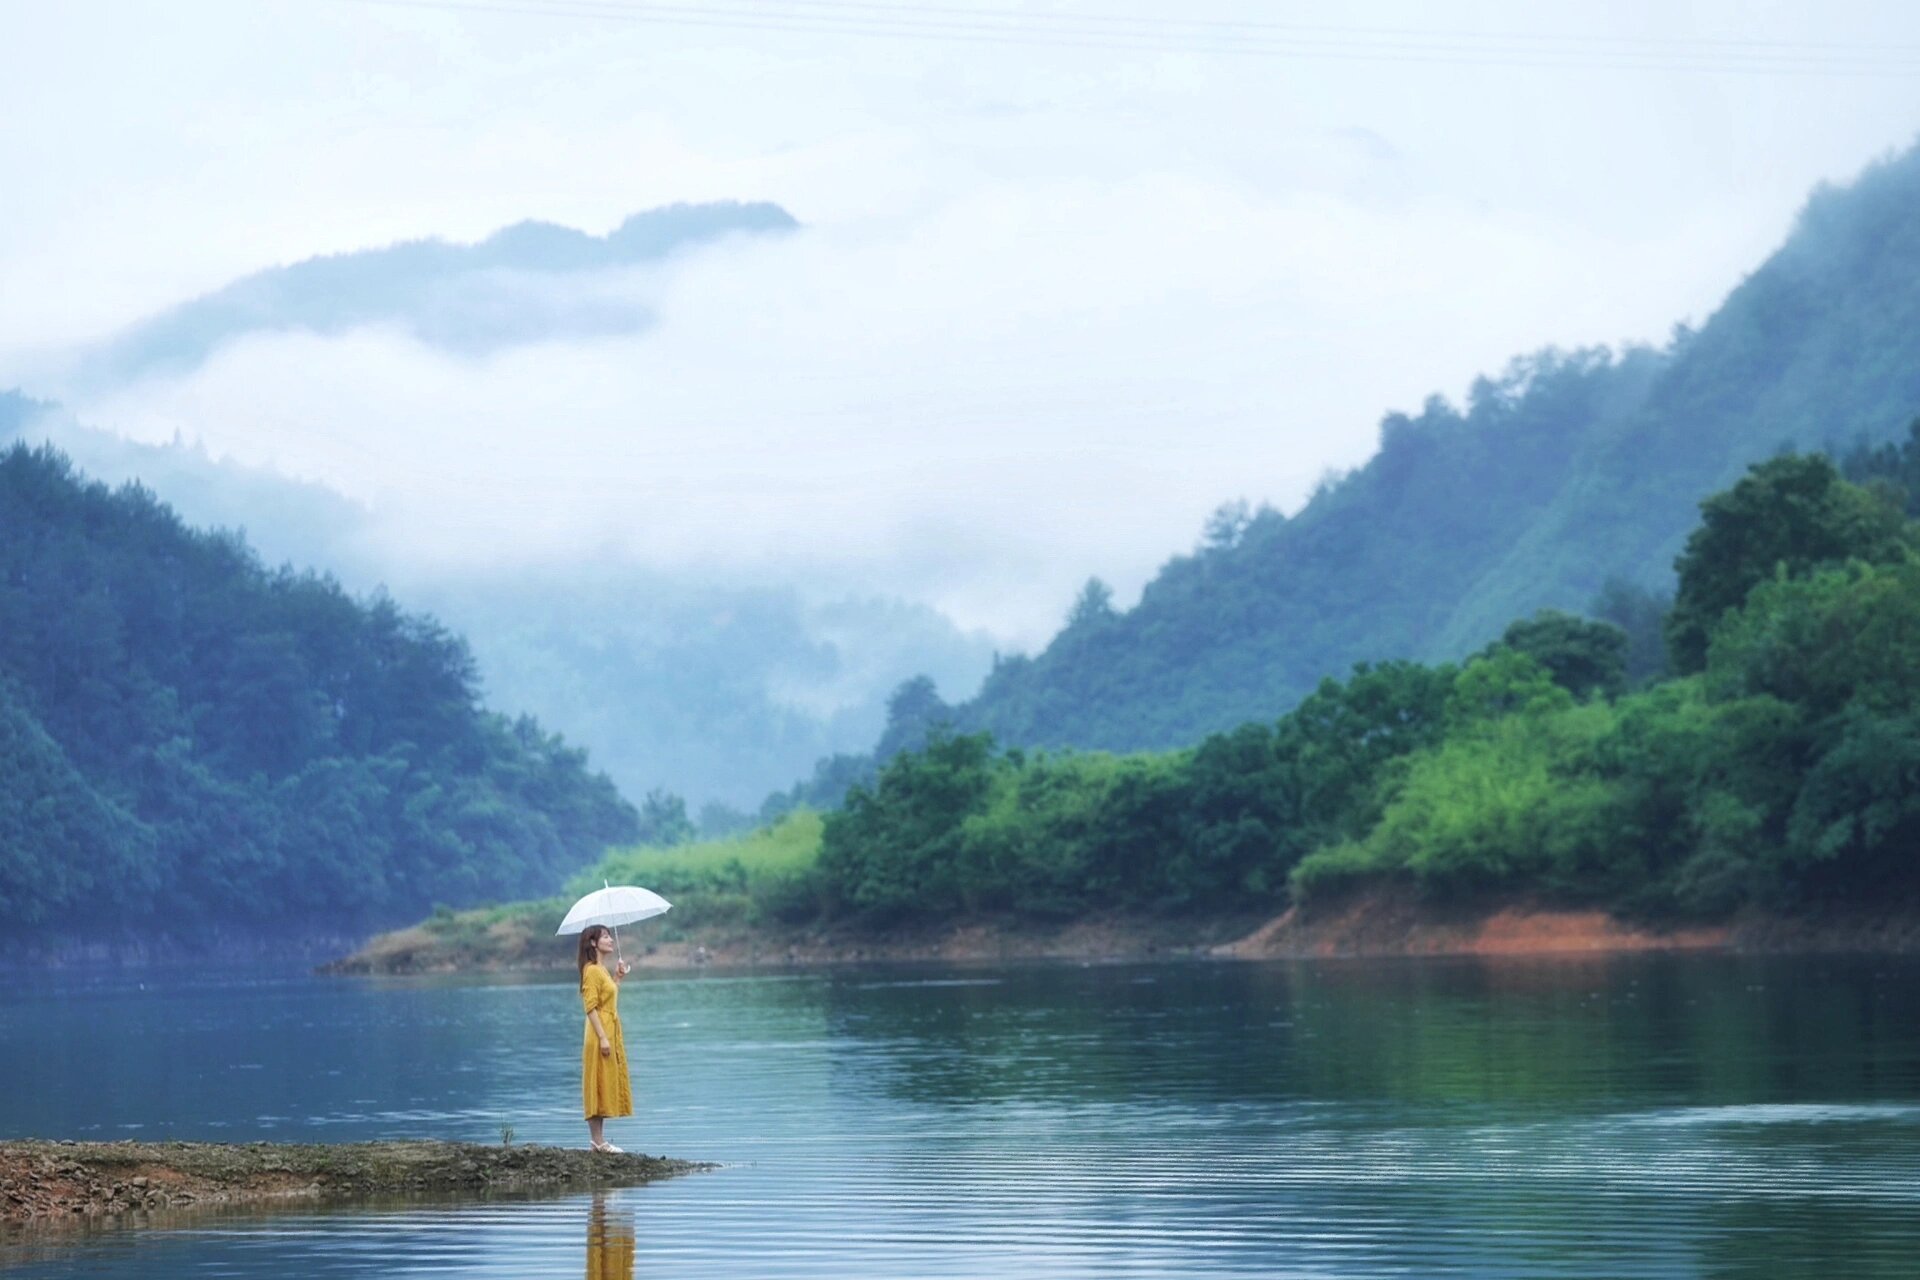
x=764, y=877
x=511, y=933
x=768, y=874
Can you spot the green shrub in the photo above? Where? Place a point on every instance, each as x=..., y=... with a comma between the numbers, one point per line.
x=1327, y=872
x=767, y=874
x=1501, y=802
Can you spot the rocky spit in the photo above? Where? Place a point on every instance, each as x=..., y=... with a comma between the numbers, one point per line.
x=65, y=1183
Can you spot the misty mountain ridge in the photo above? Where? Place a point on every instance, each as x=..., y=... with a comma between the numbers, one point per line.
x=716, y=691
x=530, y=282
x=188, y=737
x=1568, y=470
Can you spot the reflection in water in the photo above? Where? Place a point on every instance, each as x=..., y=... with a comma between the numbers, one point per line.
x=1440, y=1040
x=610, y=1244
x=1642, y=1118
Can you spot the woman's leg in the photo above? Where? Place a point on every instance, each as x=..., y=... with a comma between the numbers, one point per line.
x=596, y=1129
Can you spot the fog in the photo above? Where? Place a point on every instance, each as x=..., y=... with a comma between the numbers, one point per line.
x=1050, y=304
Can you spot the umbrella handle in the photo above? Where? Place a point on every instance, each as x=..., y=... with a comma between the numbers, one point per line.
x=618, y=959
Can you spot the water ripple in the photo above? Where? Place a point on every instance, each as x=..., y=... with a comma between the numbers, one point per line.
x=1647, y=1120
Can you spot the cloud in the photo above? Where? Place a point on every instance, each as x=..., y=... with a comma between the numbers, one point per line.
x=529, y=282
x=1054, y=303
x=975, y=407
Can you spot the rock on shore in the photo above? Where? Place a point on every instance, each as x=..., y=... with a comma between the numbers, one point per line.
x=59, y=1182
x=1399, y=922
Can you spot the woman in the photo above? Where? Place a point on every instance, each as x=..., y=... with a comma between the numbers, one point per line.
x=603, y=1058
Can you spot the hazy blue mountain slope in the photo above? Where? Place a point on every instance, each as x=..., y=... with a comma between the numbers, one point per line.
x=1371, y=569
x=1568, y=470
x=189, y=738
x=521, y=284
x=1818, y=348
x=718, y=692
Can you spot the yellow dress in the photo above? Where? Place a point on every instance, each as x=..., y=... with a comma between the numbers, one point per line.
x=610, y=1242
x=604, y=1084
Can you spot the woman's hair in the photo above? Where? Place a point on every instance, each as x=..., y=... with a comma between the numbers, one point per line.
x=589, y=936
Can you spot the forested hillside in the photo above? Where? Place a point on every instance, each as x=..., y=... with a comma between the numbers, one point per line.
x=1567, y=471
x=714, y=691
x=1779, y=767
x=1774, y=769
x=188, y=739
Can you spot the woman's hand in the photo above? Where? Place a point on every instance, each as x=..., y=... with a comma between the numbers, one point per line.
x=606, y=1047
x=623, y=970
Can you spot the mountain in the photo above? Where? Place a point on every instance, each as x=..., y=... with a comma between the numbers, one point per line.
x=1570, y=469
x=717, y=692
x=190, y=741
x=530, y=282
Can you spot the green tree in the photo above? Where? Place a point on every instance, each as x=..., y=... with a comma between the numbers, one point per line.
x=915, y=712
x=1505, y=682
x=66, y=851
x=1582, y=657
x=663, y=820
x=1894, y=465
x=1641, y=614
x=1841, y=647
x=212, y=739
x=1227, y=525
x=1707, y=779
x=1789, y=514
x=893, y=850
x=1093, y=606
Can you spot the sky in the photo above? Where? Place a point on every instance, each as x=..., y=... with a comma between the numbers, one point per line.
x=1072, y=275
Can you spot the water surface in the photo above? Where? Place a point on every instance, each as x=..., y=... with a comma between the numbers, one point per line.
x=1645, y=1116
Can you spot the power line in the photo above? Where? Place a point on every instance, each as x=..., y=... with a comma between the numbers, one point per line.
x=869, y=19
x=1161, y=24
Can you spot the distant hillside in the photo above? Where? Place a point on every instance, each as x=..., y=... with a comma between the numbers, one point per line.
x=464, y=297
x=189, y=740
x=715, y=692
x=1570, y=469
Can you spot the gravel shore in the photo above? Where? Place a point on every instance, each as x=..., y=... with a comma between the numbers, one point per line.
x=51, y=1183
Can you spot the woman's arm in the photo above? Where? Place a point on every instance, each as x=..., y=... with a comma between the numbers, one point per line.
x=606, y=1045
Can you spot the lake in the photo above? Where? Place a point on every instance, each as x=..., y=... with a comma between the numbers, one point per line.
x=1663, y=1116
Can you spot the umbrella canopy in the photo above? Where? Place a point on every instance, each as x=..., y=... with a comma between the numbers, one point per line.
x=614, y=906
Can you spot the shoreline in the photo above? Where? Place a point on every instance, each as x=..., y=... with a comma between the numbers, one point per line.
x=59, y=1184
x=1387, y=923
x=1396, y=922
x=1380, y=923
x=1111, y=936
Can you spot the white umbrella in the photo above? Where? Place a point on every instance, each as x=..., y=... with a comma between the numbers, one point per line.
x=613, y=906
